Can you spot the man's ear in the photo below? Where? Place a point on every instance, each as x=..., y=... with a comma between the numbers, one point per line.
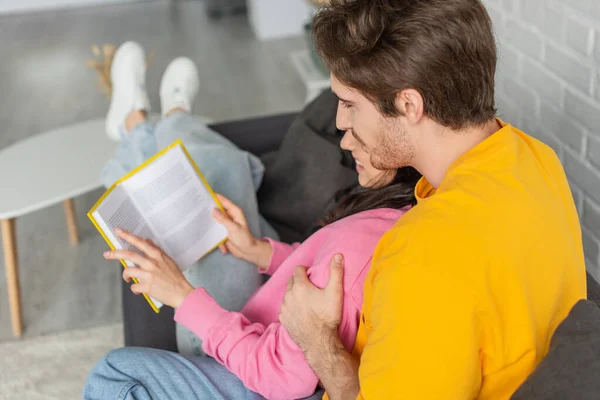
x=410, y=104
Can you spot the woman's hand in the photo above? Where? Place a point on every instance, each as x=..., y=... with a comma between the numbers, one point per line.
x=158, y=275
x=242, y=243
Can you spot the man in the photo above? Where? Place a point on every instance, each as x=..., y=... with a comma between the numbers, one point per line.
x=465, y=292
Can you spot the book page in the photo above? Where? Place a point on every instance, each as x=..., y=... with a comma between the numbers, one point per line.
x=118, y=211
x=177, y=206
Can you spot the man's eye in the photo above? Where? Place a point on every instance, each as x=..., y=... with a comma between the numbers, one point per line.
x=345, y=105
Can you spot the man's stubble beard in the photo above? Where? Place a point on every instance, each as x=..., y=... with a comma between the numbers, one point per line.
x=394, y=149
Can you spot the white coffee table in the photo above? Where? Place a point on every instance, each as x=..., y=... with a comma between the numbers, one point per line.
x=42, y=171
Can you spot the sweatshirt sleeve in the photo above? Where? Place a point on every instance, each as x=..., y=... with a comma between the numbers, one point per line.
x=281, y=251
x=264, y=357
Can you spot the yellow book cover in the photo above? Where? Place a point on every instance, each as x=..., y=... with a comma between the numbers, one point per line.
x=166, y=199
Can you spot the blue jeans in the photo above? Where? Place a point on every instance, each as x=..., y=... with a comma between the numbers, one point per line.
x=143, y=374
x=230, y=171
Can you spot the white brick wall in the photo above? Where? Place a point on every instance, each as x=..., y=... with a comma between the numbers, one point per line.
x=548, y=84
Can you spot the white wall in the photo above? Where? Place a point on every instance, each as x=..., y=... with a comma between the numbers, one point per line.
x=16, y=6
x=548, y=84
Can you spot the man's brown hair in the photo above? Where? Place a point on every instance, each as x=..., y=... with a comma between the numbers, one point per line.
x=444, y=49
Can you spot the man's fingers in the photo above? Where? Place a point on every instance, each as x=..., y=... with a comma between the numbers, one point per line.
x=139, y=243
x=300, y=274
x=290, y=284
x=336, y=273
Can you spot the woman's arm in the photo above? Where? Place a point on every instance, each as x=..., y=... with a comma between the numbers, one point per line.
x=264, y=357
x=241, y=242
x=267, y=254
x=280, y=251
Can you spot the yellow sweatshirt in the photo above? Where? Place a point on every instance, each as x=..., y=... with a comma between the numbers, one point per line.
x=466, y=290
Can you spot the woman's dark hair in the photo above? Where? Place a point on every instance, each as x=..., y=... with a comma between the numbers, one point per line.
x=397, y=194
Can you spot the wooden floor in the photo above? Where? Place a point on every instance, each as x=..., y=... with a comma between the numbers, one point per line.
x=44, y=85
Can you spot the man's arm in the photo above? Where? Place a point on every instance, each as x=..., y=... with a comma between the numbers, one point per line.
x=335, y=367
x=312, y=317
x=418, y=346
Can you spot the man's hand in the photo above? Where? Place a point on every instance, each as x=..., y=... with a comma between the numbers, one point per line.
x=158, y=275
x=312, y=317
x=309, y=313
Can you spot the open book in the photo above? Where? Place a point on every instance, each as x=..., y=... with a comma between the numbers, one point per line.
x=167, y=200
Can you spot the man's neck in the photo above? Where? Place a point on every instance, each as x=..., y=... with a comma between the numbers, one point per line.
x=441, y=147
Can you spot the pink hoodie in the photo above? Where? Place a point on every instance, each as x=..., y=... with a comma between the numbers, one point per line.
x=253, y=344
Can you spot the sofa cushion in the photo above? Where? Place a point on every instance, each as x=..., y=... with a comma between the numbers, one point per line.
x=302, y=178
x=571, y=370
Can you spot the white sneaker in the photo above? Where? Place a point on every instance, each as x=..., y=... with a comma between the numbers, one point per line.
x=128, y=75
x=179, y=85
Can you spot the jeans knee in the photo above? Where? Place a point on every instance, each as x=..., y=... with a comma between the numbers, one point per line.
x=113, y=375
x=118, y=359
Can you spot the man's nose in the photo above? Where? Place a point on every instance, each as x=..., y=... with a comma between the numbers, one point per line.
x=342, y=119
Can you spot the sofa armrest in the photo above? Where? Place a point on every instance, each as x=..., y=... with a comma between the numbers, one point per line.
x=257, y=135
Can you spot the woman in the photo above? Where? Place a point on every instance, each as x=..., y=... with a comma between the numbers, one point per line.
x=253, y=356
x=235, y=173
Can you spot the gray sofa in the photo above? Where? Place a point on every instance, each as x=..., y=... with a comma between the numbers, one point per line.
x=571, y=371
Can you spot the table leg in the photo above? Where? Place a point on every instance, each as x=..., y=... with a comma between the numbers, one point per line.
x=71, y=221
x=9, y=241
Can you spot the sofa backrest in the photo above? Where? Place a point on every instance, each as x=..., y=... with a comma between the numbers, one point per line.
x=593, y=289
x=309, y=168
x=571, y=370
